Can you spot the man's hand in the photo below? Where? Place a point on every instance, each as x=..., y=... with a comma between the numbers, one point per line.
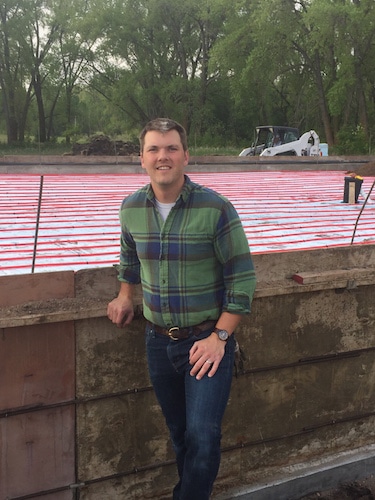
x=121, y=311
x=205, y=356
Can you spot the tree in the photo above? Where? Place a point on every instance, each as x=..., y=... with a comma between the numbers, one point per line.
x=304, y=58
x=13, y=23
x=352, y=96
x=42, y=34
x=27, y=35
x=164, y=49
x=218, y=67
x=74, y=52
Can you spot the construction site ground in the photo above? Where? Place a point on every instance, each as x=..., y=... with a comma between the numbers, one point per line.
x=70, y=221
x=364, y=490
x=284, y=204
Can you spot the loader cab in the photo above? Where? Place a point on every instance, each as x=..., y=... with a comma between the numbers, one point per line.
x=270, y=136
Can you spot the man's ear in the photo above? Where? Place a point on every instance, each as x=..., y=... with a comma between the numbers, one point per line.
x=141, y=157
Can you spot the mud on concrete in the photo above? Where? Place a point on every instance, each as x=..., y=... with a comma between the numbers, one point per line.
x=364, y=490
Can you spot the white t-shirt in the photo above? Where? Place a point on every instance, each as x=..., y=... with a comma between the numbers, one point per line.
x=164, y=208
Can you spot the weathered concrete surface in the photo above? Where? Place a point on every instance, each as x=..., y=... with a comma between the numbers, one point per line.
x=306, y=395
x=44, y=164
x=344, y=476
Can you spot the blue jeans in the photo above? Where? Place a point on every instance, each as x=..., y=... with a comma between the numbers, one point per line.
x=193, y=409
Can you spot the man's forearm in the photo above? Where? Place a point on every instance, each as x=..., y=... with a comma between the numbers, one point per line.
x=126, y=290
x=228, y=321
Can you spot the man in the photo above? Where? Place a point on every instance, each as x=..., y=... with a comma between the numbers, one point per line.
x=186, y=245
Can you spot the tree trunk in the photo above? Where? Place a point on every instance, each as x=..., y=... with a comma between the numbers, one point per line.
x=9, y=113
x=322, y=102
x=362, y=108
x=41, y=115
x=12, y=130
x=12, y=124
x=23, y=119
x=51, y=114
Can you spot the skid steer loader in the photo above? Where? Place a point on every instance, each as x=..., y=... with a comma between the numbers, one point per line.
x=272, y=140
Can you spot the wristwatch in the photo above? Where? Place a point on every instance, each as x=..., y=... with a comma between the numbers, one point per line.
x=222, y=334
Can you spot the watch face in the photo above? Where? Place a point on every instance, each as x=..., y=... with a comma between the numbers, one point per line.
x=223, y=334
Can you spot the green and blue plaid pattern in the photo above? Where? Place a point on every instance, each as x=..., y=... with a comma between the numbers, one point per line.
x=194, y=265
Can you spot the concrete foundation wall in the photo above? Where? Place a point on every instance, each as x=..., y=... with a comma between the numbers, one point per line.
x=78, y=413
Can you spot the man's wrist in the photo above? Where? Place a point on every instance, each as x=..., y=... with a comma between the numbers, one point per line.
x=222, y=334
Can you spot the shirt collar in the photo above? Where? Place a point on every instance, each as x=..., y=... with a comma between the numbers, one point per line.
x=185, y=192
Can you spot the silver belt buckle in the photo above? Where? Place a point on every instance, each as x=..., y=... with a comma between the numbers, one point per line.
x=171, y=330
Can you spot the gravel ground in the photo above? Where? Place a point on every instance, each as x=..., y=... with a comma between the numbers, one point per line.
x=364, y=490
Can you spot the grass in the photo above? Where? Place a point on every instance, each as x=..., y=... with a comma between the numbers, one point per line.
x=34, y=149
x=61, y=148
x=212, y=151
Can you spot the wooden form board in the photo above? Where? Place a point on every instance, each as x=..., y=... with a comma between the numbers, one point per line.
x=351, y=196
x=39, y=286
x=362, y=275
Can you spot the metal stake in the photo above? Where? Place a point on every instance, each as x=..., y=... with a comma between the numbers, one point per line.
x=37, y=221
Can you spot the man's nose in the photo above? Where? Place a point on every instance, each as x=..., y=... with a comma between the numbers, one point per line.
x=163, y=153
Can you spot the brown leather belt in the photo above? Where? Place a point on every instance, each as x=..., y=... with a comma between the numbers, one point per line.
x=177, y=333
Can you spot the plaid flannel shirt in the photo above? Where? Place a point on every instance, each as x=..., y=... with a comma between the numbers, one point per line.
x=194, y=265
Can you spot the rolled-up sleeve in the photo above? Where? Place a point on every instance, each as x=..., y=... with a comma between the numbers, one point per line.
x=129, y=268
x=232, y=249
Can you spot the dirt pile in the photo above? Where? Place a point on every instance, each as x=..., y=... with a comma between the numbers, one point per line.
x=102, y=145
x=368, y=169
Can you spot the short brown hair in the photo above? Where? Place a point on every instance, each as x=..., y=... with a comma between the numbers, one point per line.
x=163, y=125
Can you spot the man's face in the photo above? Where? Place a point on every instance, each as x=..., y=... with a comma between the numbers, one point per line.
x=164, y=159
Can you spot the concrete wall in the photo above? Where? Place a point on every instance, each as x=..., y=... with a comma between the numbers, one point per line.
x=79, y=414
x=38, y=164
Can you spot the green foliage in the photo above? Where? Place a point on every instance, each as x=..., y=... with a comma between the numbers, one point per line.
x=213, y=151
x=30, y=147
x=352, y=142
x=221, y=68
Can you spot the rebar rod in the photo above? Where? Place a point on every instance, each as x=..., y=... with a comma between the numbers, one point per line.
x=37, y=222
